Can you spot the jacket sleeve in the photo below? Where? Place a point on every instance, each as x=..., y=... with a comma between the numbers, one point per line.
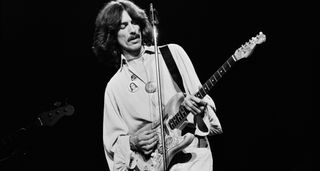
x=115, y=135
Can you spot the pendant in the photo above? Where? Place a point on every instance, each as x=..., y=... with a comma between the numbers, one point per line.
x=133, y=87
x=150, y=87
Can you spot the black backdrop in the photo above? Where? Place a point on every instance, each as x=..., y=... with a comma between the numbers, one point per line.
x=264, y=103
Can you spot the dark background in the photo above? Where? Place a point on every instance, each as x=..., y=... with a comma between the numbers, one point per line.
x=264, y=103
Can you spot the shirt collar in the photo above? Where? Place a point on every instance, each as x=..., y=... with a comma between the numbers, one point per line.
x=147, y=49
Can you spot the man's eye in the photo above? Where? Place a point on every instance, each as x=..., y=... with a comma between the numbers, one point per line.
x=123, y=26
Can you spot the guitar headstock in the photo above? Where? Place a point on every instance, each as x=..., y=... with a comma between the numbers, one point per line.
x=51, y=117
x=245, y=50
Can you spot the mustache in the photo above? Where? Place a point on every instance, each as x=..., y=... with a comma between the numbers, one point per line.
x=135, y=36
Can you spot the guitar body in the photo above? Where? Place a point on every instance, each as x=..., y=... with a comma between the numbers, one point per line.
x=173, y=139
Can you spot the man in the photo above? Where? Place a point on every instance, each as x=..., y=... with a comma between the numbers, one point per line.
x=131, y=100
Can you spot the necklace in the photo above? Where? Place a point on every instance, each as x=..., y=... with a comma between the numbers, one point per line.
x=150, y=86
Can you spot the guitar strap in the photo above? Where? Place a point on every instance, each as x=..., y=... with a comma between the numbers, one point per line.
x=177, y=80
x=172, y=67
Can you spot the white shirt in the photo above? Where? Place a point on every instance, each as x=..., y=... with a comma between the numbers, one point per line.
x=128, y=106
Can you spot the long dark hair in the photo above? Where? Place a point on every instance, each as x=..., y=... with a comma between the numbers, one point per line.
x=107, y=26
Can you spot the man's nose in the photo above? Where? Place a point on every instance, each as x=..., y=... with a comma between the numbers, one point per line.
x=132, y=28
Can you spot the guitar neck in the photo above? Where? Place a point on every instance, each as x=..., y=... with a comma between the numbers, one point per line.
x=177, y=119
x=209, y=84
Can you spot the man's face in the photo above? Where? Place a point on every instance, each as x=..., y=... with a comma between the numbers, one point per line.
x=129, y=34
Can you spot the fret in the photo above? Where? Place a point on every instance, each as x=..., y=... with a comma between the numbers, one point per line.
x=198, y=94
x=214, y=77
x=234, y=58
x=202, y=92
x=217, y=76
x=228, y=63
x=224, y=70
x=226, y=66
x=221, y=71
x=207, y=86
x=213, y=80
x=231, y=61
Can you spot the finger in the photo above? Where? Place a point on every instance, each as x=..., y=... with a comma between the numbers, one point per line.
x=147, y=135
x=152, y=140
x=191, y=105
x=189, y=102
x=151, y=131
x=203, y=103
x=192, y=110
x=194, y=104
x=149, y=146
x=149, y=141
x=147, y=152
x=198, y=102
x=195, y=108
x=195, y=99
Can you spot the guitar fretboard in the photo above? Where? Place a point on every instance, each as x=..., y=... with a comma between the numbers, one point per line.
x=177, y=119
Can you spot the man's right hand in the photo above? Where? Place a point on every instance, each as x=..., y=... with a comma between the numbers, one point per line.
x=144, y=141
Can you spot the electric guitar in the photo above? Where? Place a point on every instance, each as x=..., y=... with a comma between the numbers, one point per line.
x=11, y=147
x=176, y=114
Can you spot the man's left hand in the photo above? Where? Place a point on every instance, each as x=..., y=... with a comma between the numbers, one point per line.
x=194, y=104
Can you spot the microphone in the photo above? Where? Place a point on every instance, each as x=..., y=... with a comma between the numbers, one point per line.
x=153, y=15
